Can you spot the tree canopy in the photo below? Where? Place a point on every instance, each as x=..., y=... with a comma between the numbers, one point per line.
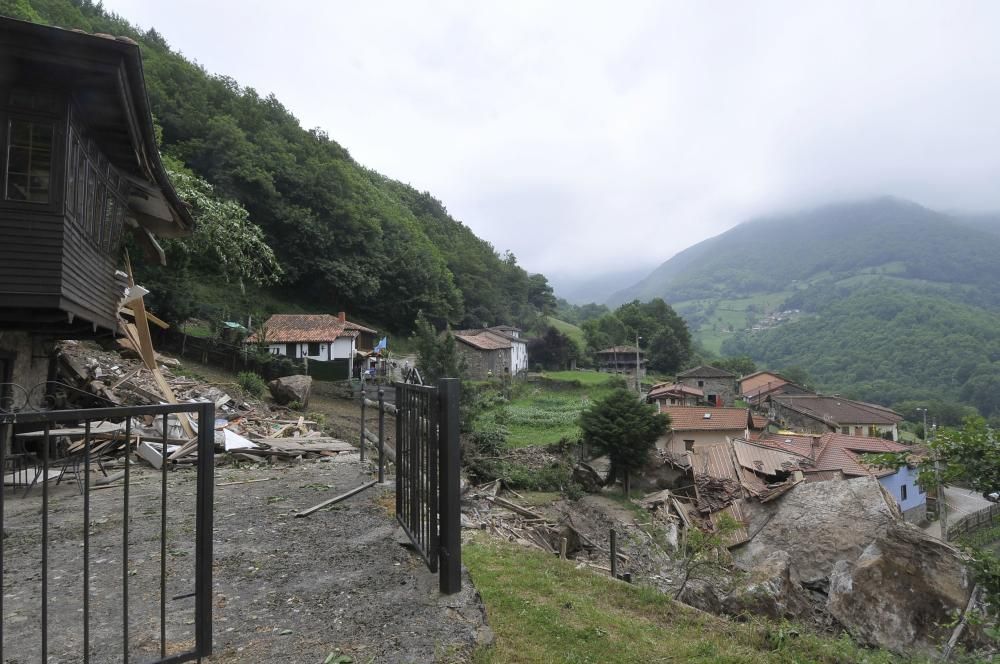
x=624, y=428
x=344, y=236
x=661, y=330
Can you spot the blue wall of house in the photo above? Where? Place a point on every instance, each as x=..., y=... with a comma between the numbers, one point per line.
x=914, y=507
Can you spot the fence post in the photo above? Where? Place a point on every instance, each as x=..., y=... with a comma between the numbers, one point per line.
x=203, y=531
x=614, y=554
x=362, y=448
x=381, y=435
x=450, y=547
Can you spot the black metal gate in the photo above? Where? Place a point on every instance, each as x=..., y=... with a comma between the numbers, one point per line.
x=77, y=588
x=427, y=475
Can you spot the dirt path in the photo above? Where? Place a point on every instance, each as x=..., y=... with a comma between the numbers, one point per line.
x=285, y=589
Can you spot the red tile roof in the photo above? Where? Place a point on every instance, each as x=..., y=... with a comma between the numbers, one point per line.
x=484, y=339
x=302, y=328
x=698, y=418
x=759, y=421
x=835, y=451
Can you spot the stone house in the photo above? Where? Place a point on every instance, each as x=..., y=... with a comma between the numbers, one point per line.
x=674, y=394
x=815, y=413
x=497, y=351
x=718, y=385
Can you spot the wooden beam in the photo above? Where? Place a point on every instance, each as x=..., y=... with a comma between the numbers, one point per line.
x=149, y=317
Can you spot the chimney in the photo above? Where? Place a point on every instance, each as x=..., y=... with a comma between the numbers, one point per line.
x=342, y=316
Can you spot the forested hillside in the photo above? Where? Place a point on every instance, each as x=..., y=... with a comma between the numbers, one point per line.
x=345, y=237
x=883, y=300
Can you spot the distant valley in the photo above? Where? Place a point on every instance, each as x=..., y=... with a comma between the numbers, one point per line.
x=882, y=299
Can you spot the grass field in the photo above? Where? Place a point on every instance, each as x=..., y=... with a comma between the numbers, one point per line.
x=546, y=412
x=570, y=330
x=543, y=610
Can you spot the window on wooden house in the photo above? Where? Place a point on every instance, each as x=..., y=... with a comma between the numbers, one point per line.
x=29, y=161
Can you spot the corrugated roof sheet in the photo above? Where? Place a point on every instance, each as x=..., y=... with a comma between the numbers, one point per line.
x=706, y=418
x=766, y=460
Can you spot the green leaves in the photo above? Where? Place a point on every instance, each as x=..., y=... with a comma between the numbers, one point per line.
x=624, y=428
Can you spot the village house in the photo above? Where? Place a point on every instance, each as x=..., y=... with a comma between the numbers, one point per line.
x=493, y=351
x=756, y=387
x=835, y=456
x=320, y=337
x=81, y=167
x=674, y=394
x=692, y=428
x=626, y=360
x=814, y=413
x=718, y=385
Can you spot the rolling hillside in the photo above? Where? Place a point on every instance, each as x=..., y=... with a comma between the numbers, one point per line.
x=884, y=299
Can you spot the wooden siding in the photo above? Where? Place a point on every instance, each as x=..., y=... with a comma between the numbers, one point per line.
x=30, y=254
x=89, y=280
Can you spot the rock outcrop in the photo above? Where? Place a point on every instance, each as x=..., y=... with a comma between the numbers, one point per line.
x=288, y=389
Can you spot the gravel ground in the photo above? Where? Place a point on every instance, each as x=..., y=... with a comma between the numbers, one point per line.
x=285, y=589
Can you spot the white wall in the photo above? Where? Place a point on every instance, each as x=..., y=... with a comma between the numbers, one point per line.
x=519, y=357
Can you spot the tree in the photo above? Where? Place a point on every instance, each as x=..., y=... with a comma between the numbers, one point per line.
x=625, y=429
x=437, y=355
x=741, y=366
x=553, y=350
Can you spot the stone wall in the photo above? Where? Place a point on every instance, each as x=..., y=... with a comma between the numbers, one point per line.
x=795, y=420
x=724, y=388
x=479, y=363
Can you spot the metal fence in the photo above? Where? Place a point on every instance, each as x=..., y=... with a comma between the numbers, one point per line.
x=75, y=589
x=427, y=475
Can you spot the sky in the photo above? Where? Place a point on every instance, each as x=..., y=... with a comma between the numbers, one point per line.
x=592, y=137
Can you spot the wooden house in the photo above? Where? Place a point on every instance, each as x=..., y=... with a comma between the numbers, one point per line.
x=81, y=167
x=319, y=337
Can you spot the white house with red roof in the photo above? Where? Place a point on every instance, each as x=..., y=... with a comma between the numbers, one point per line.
x=320, y=337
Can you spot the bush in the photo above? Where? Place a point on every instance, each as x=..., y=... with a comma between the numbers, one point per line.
x=251, y=383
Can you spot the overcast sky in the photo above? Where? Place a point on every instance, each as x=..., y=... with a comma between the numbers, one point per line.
x=587, y=136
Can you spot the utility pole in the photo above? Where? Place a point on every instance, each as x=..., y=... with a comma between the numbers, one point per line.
x=638, y=365
x=942, y=501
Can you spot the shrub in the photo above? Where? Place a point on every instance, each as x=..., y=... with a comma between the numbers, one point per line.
x=251, y=383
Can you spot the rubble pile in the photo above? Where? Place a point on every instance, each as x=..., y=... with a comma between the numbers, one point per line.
x=245, y=428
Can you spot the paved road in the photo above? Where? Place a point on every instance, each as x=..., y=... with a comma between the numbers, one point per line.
x=960, y=502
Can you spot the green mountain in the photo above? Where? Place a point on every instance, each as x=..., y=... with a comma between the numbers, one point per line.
x=345, y=236
x=883, y=299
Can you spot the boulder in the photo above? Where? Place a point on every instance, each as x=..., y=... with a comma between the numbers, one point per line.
x=768, y=590
x=585, y=475
x=900, y=591
x=818, y=524
x=288, y=389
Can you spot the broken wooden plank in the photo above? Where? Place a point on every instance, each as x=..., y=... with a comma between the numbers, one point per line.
x=514, y=507
x=336, y=499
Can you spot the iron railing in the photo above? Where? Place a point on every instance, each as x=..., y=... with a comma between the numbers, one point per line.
x=427, y=475
x=58, y=561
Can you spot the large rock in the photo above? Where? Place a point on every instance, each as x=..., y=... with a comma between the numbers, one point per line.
x=585, y=475
x=818, y=524
x=288, y=389
x=768, y=590
x=900, y=591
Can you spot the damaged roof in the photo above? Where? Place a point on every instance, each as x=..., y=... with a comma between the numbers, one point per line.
x=674, y=388
x=834, y=451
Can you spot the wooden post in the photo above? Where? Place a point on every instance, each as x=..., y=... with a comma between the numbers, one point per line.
x=362, y=448
x=614, y=554
x=449, y=460
x=381, y=435
x=562, y=548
